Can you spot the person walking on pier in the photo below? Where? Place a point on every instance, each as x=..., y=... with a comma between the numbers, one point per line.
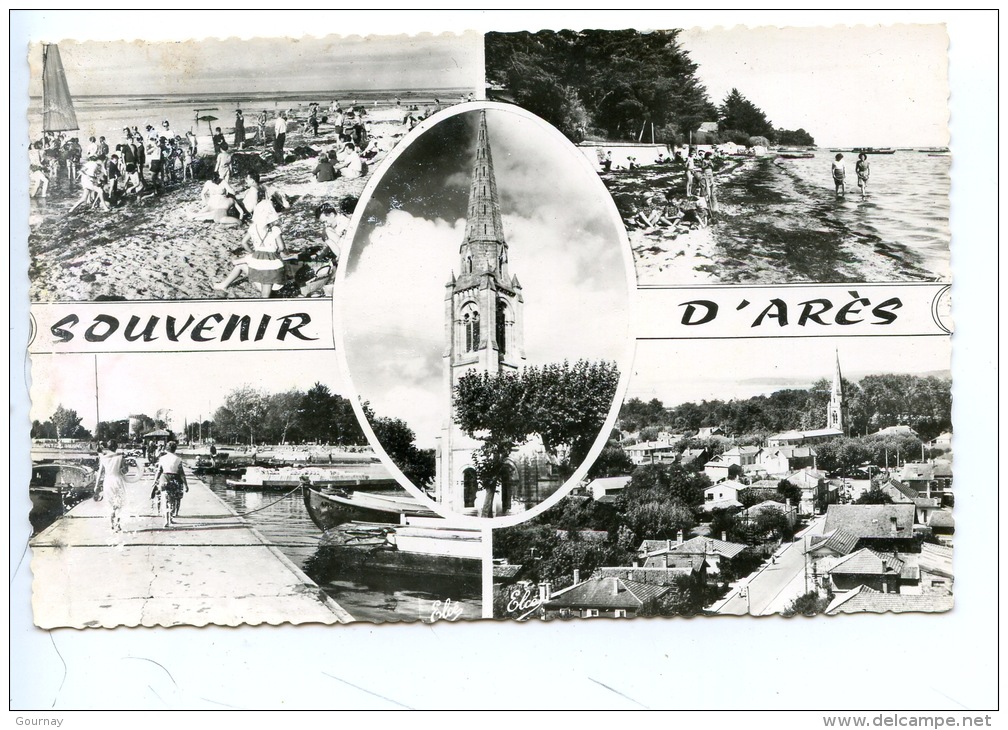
x=170, y=469
x=110, y=480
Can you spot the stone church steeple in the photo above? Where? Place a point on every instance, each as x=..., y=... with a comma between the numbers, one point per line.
x=483, y=308
x=836, y=411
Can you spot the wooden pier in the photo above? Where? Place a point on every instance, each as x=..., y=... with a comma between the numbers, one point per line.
x=209, y=567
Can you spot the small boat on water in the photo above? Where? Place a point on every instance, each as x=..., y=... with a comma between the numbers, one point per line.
x=331, y=507
x=369, y=476
x=875, y=150
x=795, y=154
x=417, y=546
x=55, y=489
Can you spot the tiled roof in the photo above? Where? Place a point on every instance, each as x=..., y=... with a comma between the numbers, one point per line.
x=935, y=559
x=941, y=518
x=608, y=483
x=840, y=541
x=720, y=504
x=681, y=561
x=606, y=594
x=652, y=576
x=868, y=562
x=867, y=600
x=899, y=491
x=813, y=433
x=919, y=471
x=708, y=545
x=729, y=483
x=871, y=520
x=505, y=572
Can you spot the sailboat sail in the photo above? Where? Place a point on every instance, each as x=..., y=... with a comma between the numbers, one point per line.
x=57, y=106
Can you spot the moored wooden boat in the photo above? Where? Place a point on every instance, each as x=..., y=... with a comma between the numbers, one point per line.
x=329, y=508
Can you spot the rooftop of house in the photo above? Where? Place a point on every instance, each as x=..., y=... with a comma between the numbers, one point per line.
x=917, y=471
x=935, y=559
x=868, y=600
x=840, y=541
x=608, y=483
x=728, y=483
x=506, y=572
x=742, y=450
x=871, y=520
x=650, y=446
x=708, y=545
x=795, y=435
x=941, y=518
x=790, y=452
x=713, y=504
x=868, y=562
x=900, y=492
x=607, y=593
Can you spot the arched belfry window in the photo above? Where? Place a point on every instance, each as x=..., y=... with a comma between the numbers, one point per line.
x=468, y=264
x=503, y=326
x=470, y=329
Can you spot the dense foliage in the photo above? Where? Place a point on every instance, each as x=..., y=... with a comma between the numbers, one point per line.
x=64, y=423
x=611, y=83
x=564, y=404
x=399, y=442
x=876, y=401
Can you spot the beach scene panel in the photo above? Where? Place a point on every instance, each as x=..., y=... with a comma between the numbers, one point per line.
x=720, y=146
x=172, y=232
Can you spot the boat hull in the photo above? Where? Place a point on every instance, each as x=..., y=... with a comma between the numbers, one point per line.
x=328, y=511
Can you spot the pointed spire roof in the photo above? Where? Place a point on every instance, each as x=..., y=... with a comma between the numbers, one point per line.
x=838, y=379
x=483, y=220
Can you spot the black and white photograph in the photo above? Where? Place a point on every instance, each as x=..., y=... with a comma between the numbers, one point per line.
x=221, y=168
x=809, y=481
x=357, y=355
x=485, y=307
x=754, y=155
x=245, y=496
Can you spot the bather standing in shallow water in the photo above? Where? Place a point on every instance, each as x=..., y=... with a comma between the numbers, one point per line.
x=862, y=169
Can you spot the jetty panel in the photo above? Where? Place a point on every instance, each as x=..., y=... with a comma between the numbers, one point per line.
x=210, y=567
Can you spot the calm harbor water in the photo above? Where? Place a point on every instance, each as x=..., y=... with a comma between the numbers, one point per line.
x=368, y=595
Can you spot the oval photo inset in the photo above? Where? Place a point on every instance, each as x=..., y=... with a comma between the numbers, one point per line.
x=485, y=313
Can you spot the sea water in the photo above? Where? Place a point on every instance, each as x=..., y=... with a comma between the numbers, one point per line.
x=367, y=595
x=907, y=206
x=108, y=115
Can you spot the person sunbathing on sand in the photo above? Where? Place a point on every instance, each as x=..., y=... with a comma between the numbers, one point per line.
x=702, y=210
x=217, y=198
x=352, y=166
x=264, y=241
x=92, y=178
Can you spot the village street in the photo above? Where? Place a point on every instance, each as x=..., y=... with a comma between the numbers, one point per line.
x=775, y=585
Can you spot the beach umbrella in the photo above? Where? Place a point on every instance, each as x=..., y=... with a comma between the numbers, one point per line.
x=207, y=118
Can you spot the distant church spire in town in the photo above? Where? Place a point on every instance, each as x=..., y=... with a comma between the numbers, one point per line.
x=837, y=406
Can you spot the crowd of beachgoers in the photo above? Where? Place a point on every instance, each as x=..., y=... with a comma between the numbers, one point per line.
x=241, y=184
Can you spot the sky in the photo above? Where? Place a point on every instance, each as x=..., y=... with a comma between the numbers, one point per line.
x=566, y=246
x=268, y=65
x=866, y=86
x=191, y=385
x=681, y=371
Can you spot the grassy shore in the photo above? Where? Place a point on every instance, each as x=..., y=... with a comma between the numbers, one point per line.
x=154, y=250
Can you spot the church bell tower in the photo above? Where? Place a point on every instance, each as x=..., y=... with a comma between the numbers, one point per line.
x=483, y=322
x=836, y=410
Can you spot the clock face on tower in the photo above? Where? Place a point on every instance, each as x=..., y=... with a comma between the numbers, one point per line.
x=485, y=308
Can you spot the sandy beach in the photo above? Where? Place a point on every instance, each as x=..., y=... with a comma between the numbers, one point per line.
x=772, y=228
x=152, y=249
